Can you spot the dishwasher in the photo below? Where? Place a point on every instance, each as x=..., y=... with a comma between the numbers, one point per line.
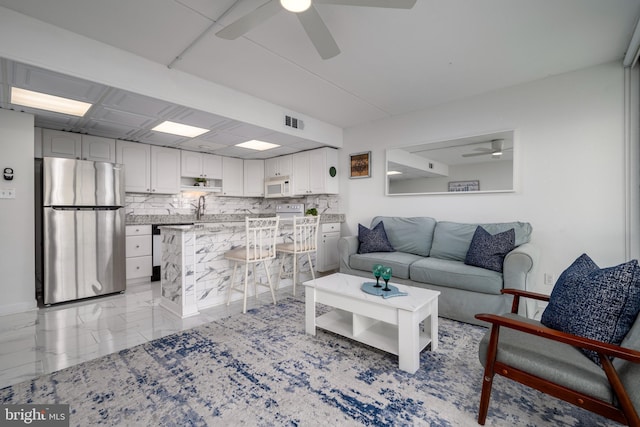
x=156, y=249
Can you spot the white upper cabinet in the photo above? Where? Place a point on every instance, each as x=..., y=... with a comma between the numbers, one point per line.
x=165, y=170
x=56, y=143
x=315, y=172
x=232, y=177
x=98, y=149
x=136, y=159
x=76, y=146
x=200, y=165
x=278, y=166
x=254, y=178
x=149, y=169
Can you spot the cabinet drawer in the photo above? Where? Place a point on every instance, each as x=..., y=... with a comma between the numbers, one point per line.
x=138, y=246
x=330, y=227
x=138, y=267
x=136, y=230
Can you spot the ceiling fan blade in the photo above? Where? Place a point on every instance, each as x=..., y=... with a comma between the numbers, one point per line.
x=476, y=154
x=394, y=4
x=250, y=20
x=318, y=33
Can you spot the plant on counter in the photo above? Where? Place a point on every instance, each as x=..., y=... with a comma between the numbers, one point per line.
x=311, y=211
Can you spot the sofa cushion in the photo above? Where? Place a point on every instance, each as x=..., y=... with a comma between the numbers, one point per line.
x=451, y=240
x=600, y=304
x=374, y=240
x=488, y=250
x=411, y=235
x=456, y=274
x=398, y=261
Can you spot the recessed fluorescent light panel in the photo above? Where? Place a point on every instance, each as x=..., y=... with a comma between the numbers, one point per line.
x=180, y=129
x=42, y=101
x=394, y=173
x=254, y=144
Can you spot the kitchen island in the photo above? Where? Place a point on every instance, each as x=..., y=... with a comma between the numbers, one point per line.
x=195, y=275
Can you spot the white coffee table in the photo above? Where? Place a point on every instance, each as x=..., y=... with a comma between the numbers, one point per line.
x=391, y=325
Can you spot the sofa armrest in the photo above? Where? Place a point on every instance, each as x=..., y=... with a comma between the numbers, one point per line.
x=520, y=266
x=347, y=246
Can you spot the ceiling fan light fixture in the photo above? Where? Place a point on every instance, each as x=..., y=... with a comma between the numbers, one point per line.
x=296, y=6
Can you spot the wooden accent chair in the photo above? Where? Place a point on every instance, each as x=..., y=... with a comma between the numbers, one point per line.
x=260, y=247
x=547, y=360
x=303, y=241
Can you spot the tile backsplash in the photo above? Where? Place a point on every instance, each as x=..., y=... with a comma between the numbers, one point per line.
x=185, y=204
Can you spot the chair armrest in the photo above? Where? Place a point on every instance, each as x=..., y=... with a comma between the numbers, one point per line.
x=542, y=331
x=517, y=293
x=347, y=246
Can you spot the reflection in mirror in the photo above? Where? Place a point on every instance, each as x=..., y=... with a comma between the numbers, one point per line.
x=482, y=163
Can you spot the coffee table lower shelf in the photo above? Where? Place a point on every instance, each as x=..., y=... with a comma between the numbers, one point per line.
x=378, y=334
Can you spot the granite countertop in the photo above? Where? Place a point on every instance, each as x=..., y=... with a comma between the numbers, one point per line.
x=212, y=219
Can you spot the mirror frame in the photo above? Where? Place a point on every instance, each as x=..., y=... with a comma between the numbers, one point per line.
x=458, y=141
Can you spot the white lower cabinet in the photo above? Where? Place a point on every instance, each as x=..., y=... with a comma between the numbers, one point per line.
x=138, y=250
x=327, y=257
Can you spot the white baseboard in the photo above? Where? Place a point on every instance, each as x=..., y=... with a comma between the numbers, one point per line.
x=18, y=308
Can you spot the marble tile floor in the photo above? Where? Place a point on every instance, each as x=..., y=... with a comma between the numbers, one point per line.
x=53, y=338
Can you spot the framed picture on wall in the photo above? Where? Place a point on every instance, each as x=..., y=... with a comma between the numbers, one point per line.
x=360, y=165
x=457, y=186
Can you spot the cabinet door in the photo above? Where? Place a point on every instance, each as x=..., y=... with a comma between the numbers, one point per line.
x=56, y=143
x=317, y=171
x=98, y=149
x=327, y=255
x=212, y=166
x=254, y=178
x=300, y=173
x=136, y=159
x=271, y=167
x=278, y=166
x=232, y=176
x=190, y=164
x=165, y=170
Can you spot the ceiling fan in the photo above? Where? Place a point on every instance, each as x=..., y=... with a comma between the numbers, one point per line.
x=496, y=150
x=308, y=16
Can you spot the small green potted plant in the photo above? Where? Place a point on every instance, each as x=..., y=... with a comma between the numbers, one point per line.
x=201, y=182
x=311, y=212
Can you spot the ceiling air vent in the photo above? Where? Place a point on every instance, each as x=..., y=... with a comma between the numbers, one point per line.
x=292, y=122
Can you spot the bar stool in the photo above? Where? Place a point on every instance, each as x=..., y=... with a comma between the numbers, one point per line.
x=261, y=234
x=304, y=240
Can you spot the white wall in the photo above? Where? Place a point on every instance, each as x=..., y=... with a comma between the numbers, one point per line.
x=17, y=247
x=570, y=164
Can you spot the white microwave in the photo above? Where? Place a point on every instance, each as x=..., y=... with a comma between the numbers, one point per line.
x=277, y=186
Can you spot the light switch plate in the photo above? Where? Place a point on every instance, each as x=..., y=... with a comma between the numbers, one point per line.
x=7, y=193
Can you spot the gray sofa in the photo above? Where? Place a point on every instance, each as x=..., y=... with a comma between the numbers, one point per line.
x=430, y=254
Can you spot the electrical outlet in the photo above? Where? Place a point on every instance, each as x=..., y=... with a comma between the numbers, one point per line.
x=549, y=279
x=7, y=193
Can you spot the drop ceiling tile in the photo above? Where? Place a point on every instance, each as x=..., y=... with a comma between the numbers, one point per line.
x=199, y=118
x=244, y=130
x=113, y=130
x=199, y=144
x=139, y=104
x=161, y=138
x=222, y=138
x=39, y=80
x=123, y=118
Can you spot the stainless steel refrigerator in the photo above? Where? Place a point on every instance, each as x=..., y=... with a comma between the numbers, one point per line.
x=83, y=229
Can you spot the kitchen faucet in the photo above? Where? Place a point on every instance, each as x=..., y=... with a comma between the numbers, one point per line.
x=200, y=208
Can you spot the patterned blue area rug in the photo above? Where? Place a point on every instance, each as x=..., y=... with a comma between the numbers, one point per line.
x=261, y=369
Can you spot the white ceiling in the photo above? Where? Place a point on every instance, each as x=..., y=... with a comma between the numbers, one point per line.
x=392, y=62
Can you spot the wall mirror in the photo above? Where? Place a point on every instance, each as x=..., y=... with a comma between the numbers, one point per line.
x=477, y=164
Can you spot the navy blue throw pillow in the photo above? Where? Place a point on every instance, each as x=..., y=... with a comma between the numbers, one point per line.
x=601, y=304
x=374, y=240
x=488, y=250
